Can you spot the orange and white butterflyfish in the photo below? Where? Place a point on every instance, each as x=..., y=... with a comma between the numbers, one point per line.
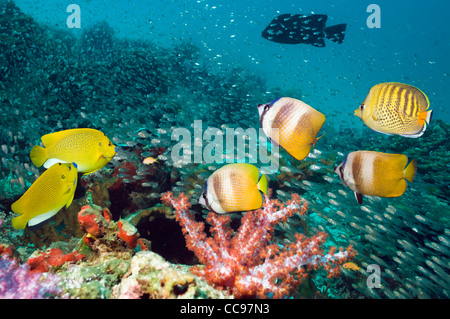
x=396, y=108
x=53, y=190
x=292, y=124
x=376, y=174
x=90, y=149
x=234, y=188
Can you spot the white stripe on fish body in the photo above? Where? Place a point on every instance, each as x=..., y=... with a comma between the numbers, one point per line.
x=290, y=121
x=367, y=169
x=213, y=200
x=347, y=173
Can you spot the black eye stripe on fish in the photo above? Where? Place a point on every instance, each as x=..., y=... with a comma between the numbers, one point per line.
x=297, y=28
x=265, y=110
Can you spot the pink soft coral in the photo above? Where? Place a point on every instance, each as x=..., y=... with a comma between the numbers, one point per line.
x=247, y=262
x=17, y=282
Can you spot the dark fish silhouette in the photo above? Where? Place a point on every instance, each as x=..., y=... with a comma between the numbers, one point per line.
x=300, y=28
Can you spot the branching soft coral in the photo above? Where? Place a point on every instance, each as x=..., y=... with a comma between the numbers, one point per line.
x=17, y=282
x=247, y=262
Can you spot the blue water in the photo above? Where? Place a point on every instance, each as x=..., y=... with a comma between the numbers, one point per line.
x=411, y=46
x=408, y=236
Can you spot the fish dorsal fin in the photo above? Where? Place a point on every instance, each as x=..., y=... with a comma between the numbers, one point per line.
x=398, y=161
x=249, y=171
x=51, y=139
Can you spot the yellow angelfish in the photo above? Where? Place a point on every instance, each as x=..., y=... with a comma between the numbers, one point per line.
x=90, y=149
x=46, y=196
x=234, y=188
x=292, y=124
x=376, y=174
x=396, y=108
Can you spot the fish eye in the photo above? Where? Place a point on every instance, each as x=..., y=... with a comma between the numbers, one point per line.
x=100, y=144
x=267, y=107
x=109, y=144
x=63, y=176
x=361, y=107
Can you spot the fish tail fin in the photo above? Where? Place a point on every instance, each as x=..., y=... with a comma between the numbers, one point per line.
x=19, y=222
x=336, y=33
x=410, y=171
x=262, y=184
x=38, y=155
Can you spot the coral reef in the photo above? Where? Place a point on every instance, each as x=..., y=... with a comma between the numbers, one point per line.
x=247, y=263
x=136, y=92
x=45, y=261
x=17, y=282
x=151, y=277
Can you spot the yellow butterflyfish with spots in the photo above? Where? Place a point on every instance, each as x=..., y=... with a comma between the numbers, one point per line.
x=234, y=188
x=90, y=149
x=396, y=108
x=376, y=174
x=53, y=190
x=292, y=124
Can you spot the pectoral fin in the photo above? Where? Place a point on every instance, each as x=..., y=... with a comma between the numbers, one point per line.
x=359, y=198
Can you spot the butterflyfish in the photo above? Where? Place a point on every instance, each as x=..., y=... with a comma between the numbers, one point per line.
x=234, y=188
x=376, y=174
x=292, y=124
x=396, y=108
x=90, y=149
x=53, y=190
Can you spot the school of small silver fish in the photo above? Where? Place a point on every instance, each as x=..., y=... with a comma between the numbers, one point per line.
x=329, y=170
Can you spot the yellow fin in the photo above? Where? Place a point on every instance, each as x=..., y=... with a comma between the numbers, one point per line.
x=262, y=184
x=19, y=222
x=247, y=169
x=374, y=118
x=300, y=153
x=38, y=155
x=72, y=190
x=18, y=206
x=410, y=171
x=90, y=172
x=398, y=161
x=50, y=139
